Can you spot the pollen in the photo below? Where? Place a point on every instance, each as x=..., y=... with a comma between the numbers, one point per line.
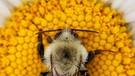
x=18, y=40
x=88, y=18
x=80, y=18
x=97, y=26
x=103, y=35
x=9, y=69
x=37, y=20
x=49, y=17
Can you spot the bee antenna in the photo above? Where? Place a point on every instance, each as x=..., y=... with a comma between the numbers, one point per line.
x=48, y=31
x=84, y=30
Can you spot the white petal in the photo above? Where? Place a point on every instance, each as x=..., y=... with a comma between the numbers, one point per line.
x=130, y=9
x=134, y=42
x=126, y=5
x=131, y=26
x=133, y=32
x=15, y=2
x=7, y=4
x=29, y=0
x=4, y=10
x=116, y=4
x=130, y=17
x=106, y=1
x=2, y=21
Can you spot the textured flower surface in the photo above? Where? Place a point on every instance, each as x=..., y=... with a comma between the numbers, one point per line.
x=18, y=42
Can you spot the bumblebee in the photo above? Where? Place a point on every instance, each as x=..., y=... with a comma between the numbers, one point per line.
x=65, y=55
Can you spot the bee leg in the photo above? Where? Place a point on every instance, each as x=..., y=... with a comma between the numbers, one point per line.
x=40, y=47
x=49, y=39
x=45, y=74
x=91, y=55
x=84, y=73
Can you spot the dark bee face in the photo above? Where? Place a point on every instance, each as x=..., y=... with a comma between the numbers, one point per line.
x=66, y=35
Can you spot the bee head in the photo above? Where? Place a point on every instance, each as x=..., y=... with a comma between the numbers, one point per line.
x=66, y=35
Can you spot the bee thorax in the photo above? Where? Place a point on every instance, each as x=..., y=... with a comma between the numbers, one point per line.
x=66, y=59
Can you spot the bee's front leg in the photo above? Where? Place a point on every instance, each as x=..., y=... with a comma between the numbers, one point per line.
x=83, y=72
x=40, y=46
x=45, y=74
x=49, y=39
x=91, y=55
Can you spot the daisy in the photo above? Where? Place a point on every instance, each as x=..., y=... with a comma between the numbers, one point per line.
x=18, y=42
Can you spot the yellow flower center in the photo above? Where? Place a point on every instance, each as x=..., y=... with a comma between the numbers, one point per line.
x=18, y=42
